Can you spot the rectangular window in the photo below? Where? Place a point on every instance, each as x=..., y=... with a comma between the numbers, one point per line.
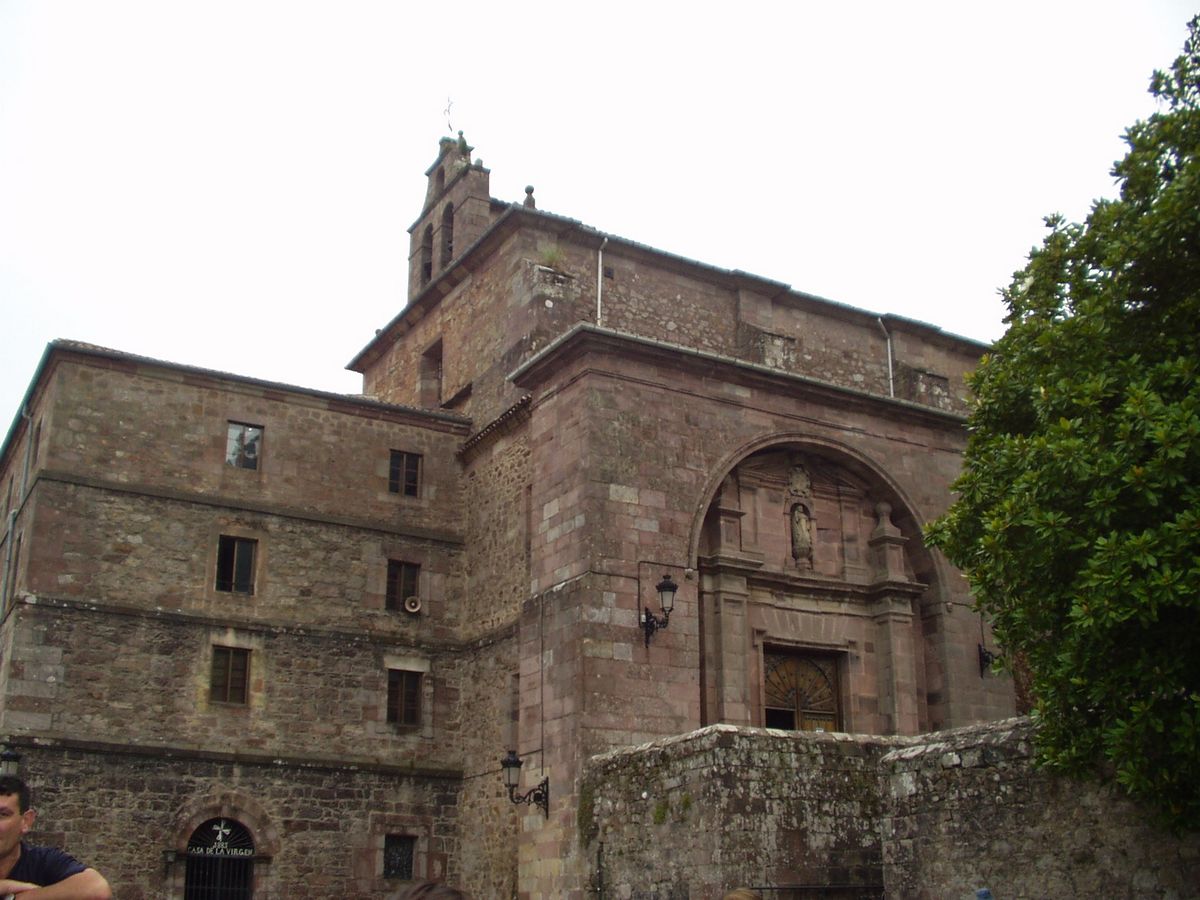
x=404, y=697
x=243, y=445
x=404, y=474
x=230, y=675
x=235, y=564
x=430, y=374
x=399, y=851
x=402, y=582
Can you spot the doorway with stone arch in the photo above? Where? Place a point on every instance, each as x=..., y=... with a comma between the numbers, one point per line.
x=221, y=850
x=817, y=594
x=220, y=861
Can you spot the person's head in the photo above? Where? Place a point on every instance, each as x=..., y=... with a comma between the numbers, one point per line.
x=12, y=786
x=742, y=894
x=432, y=890
x=16, y=816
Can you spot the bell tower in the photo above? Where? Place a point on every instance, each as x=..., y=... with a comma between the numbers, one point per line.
x=457, y=210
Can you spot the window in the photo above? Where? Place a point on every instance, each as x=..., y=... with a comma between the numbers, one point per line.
x=230, y=675
x=427, y=255
x=404, y=697
x=399, y=851
x=243, y=444
x=404, y=474
x=430, y=376
x=800, y=692
x=403, y=581
x=235, y=564
x=447, y=235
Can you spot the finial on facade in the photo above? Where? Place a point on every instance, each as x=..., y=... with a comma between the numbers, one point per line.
x=463, y=148
x=530, y=203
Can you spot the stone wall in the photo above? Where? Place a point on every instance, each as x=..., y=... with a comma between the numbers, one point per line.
x=318, y=830
x=694, y=816
x=929, y=817
x=140, y=424
x=968, y=810
x=89, y=672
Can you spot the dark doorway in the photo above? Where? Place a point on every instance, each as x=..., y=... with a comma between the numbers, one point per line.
x=220, y=862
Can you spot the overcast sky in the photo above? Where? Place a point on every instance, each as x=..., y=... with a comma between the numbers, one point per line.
x=229, y=184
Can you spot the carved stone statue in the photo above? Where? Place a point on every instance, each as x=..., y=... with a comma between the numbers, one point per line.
x=799, y=482
x=799, y=494
x=802, y=536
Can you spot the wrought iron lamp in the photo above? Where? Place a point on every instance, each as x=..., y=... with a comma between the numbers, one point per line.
x=986, y=658
x=538, y=796
x=666, y=600
x=10, y=761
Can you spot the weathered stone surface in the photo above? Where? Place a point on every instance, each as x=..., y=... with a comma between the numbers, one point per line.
x=968, y=809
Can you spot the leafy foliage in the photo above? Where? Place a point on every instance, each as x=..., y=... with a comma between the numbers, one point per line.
x=1078, y=517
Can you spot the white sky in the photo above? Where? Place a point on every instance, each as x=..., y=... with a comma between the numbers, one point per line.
x=229, y=184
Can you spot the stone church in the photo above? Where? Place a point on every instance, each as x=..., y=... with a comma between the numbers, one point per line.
x=263, y=641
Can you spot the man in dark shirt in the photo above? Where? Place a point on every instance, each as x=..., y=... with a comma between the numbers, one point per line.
x=38, y=873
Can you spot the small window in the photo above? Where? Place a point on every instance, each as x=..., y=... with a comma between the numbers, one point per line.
x=230, y=675
x=427, y=255
x=243, y=445
x=399, y=851
x=404, y=475
x=430, y=375
x=235, y=564
x=404, y=697
x=403, y=580
x=447, y=235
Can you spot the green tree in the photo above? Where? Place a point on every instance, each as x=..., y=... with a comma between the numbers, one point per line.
x=1078, y=515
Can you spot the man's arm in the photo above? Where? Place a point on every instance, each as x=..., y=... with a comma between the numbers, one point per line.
x=86, y=885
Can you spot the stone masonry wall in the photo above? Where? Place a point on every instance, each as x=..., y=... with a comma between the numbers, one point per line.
x=694, y=816
x=159, y=553
x=487, y=819
x=496, y=485
x=930, y=817
x=119, y=421
x=967, y=809
x=319, y=830
x=83, y=672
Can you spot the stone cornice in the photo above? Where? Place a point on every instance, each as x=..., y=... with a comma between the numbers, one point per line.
x=586, y=338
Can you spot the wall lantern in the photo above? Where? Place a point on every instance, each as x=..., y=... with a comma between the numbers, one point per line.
x=666, y=599
x=10, y=761
x=986, y=658
x=538, y=796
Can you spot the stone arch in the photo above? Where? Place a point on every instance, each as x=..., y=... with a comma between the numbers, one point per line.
x=906, y=513
x=808, y=551
x=230, y=805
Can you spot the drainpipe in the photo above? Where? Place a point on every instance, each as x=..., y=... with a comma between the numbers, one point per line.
x=891, y=378
x=600, y=280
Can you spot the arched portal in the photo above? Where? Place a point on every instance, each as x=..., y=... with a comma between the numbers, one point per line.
x=220, y=861
x=811, y=564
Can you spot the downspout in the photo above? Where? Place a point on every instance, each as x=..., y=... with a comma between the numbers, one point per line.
x=891, y=378
x=600, y=281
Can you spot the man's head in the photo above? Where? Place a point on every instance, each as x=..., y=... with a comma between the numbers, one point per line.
x=12, y=786
x=16, y=816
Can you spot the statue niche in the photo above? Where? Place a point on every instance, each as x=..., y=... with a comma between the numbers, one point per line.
x=802, y=538
x=799, y=493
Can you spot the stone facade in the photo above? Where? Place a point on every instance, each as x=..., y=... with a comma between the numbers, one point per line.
x=556, y=420
x=968, y=809
x=855, y=816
